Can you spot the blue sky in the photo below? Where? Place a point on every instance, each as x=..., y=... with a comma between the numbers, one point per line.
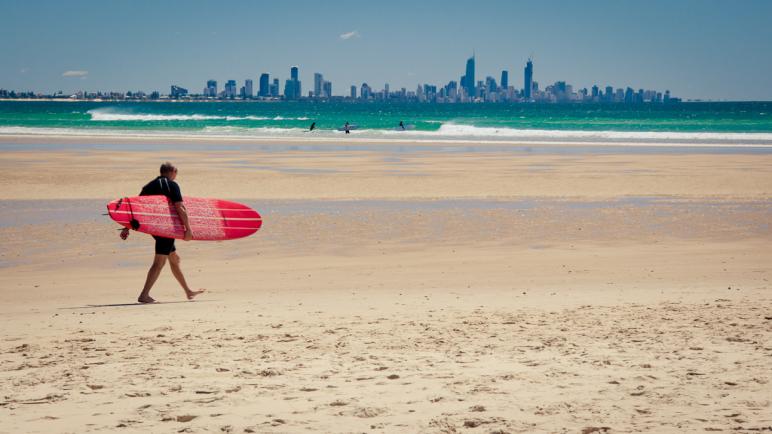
x=696, y=48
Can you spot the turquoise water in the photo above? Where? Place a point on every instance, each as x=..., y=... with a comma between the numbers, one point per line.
x=731, y=123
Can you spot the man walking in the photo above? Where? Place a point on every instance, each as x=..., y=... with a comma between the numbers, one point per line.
x=164, y=247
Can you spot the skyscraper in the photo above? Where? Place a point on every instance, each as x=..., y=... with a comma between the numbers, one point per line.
x=318, y=83
x=289, y=89
x=292, y=89
x=275, y=88
x=178, y=92
x=468, y=79
x=365, y=91
x=629, y=95
x=211, y=88
x=327, y=89
x=230, y=89
x=265, y=85
x=248, y=88
x=528, y=79
x=353, y=91
x=504, y=79
x=490, y=84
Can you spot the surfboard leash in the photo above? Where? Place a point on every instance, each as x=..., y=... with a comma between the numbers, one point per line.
x=133, y=222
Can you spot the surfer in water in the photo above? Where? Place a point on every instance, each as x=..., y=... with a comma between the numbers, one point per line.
x=402, y=125
x=347, y=128
x=313, y=125
x=164, y=247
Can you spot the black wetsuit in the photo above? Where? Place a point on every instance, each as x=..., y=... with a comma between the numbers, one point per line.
x=163, y=186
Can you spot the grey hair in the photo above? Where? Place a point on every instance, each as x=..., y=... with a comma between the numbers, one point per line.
x=167, y=167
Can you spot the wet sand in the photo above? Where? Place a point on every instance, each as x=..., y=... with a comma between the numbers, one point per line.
x=394, y=292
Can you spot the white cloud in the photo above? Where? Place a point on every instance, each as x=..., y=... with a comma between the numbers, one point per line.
x=75, y=73
x=349, y=35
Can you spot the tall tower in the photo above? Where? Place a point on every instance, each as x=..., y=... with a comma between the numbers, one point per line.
x=211, y=88
x=292, y=88
x=504, y=79
x=230, y=89
x=528, y=82
x=265, y=85
x=318, y=82
x=469, y=81
x=327, y=89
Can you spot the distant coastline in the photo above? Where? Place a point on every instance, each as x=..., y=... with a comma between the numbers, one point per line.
x=346, y=100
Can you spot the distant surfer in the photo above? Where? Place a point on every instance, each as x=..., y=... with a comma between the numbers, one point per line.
x=347, y=128
x=313, y=125
x=164, y=247
x=402, y=125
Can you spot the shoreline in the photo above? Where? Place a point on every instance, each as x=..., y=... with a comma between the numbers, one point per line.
x=156, y=138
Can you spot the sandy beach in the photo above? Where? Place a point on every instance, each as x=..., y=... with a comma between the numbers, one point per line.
x=392, y=291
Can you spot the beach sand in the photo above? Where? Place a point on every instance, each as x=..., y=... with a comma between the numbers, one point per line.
x=393, y=291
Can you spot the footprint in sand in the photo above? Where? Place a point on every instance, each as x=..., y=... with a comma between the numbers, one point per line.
x=594, y=429
x=367, y=412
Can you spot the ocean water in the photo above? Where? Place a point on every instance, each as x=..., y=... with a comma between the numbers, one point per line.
x=720, y=123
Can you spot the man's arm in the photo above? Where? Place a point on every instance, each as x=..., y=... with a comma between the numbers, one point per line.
x=125, y=231
x=183, y=213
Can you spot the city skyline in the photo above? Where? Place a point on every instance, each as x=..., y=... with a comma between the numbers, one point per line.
x=465, y=90
x=704, y=49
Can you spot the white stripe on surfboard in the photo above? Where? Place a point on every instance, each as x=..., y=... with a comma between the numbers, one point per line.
x=192, y=226
x=189, y=216
x=190, y=207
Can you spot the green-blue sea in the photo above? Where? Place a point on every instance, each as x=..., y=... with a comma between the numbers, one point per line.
x=729, y=123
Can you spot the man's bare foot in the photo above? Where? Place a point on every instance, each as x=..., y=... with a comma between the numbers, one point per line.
x=146, y=300
x=192, y=294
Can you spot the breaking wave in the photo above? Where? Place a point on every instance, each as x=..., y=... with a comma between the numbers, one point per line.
x=107, y=115
x=446, y=133
x=452, y=130
x=111, y=116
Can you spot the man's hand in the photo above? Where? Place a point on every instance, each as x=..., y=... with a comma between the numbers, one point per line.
x=183, y=213
x=124, y=233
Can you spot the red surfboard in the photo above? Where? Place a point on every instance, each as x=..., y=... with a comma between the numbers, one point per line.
x=210, y=219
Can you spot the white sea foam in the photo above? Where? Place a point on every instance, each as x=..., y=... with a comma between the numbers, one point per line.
x=246, y=118
x=107, y=115
x=448, y=133
x=104, y=115
x=282, y=118
x=258, y=132
x=452, y=130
